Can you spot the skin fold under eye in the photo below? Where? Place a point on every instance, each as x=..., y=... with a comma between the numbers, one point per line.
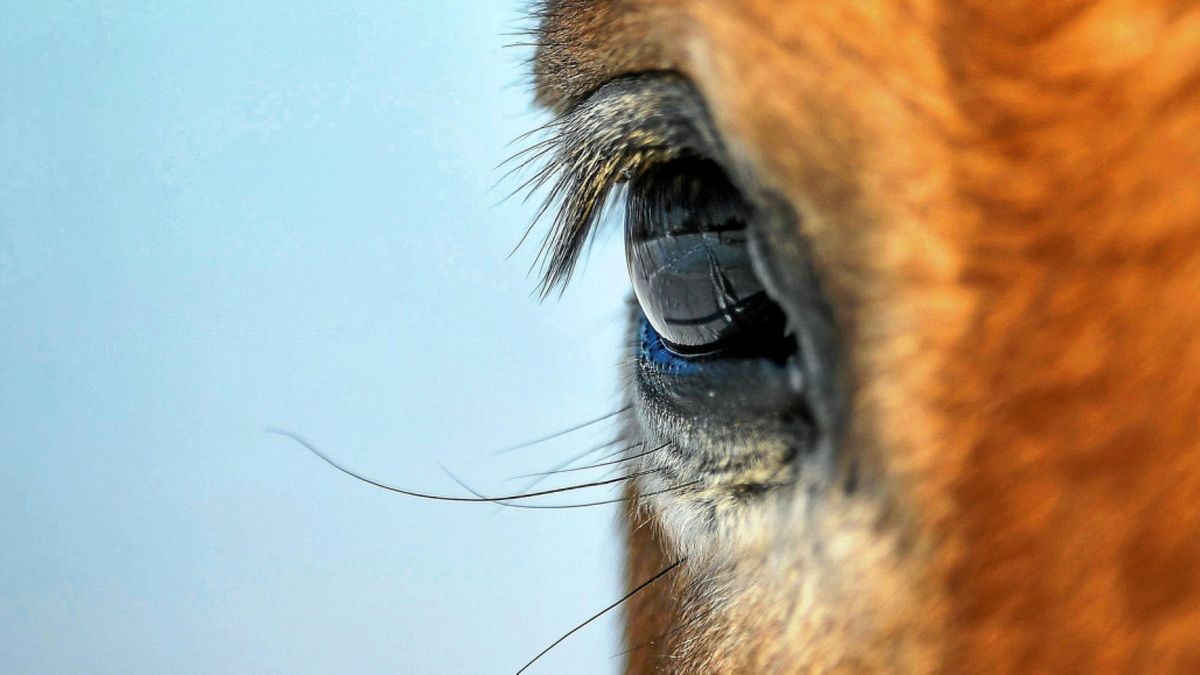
x=688, y=254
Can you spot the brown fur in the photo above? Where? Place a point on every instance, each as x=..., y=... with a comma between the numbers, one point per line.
x=1004, y=201
x=652, y=615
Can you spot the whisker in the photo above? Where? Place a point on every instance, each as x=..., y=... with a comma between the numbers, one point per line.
x=575, y=458
x=610, y=455
x=543, y=493
x=675, y=488
x=444, y=498
x=558, y=434
x=561, y=470
x=563, y=464
x=605, y=461
x=666, y=570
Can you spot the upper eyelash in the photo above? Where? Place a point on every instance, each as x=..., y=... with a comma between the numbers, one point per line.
x=625, y=126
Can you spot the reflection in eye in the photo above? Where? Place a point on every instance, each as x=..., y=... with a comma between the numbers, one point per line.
x=689, y=259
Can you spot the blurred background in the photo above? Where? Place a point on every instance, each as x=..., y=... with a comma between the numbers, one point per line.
x=226, y=216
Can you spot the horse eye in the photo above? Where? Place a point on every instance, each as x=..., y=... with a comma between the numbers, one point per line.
x=689, y=260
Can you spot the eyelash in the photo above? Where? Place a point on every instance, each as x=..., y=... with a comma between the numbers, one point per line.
x=624, y=128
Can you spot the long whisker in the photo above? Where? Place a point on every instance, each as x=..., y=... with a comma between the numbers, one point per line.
x=602, y=612
x=542, y=493
x=675, y=488
x=564, y=432
x=541, y=476
x=611, y=455
x=443, y=498
x=560, y=470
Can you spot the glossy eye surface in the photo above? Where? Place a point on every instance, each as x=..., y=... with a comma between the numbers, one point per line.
x=688, y=253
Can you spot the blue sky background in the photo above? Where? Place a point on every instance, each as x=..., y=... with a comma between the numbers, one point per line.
x=219, y=217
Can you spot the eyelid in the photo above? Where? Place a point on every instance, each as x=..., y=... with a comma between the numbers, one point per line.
x=644, y=111
x=622, y=128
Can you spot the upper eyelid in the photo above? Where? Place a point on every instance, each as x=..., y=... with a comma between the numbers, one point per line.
x=640, y=110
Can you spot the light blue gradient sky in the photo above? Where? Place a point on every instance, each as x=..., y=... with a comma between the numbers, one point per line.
x=219, y=217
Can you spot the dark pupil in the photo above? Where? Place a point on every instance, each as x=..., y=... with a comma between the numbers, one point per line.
x=688, y=256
